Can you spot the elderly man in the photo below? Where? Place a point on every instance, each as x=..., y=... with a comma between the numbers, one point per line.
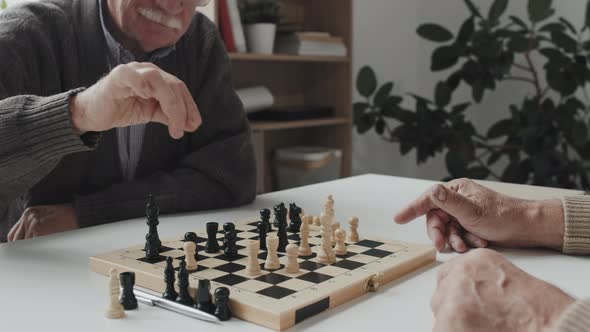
x=100, y=101
x=481, y=290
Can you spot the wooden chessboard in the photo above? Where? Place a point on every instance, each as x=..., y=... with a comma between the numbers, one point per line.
x=276, y=299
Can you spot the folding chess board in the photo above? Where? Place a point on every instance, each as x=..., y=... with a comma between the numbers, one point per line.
x=276, y=299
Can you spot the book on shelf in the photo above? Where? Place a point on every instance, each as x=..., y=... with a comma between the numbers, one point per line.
x=225, y=25
x=236, y=26
x=311, y=43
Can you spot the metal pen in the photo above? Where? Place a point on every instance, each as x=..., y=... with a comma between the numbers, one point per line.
x=152, y=300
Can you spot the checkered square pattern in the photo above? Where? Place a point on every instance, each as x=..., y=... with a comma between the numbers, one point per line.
x=277, y=284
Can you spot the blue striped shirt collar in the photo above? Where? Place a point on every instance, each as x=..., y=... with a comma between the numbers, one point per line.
x=118, y=53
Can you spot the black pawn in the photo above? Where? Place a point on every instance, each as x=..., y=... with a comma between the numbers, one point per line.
x=128, y=300
x=230, y=248
x=212, y=246
x=190, y=236
x=295, y=217
x=222, y=310
x=262, y=230
x=204, y=302
x=169, y=278
x=265, y=218
x=183, y=295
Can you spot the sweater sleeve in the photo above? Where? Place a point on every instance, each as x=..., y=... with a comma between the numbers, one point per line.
x=576, y=239
x=217, y=172
x=576, y=318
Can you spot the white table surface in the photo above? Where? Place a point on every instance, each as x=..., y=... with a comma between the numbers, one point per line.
x=46, y=284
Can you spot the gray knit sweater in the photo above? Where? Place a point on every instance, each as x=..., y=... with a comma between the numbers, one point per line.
x=48, y=49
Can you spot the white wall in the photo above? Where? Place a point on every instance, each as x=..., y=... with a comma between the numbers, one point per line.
x=385, y=38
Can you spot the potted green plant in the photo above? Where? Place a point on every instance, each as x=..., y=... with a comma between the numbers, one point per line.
x=545, y=140
x=3, y=4
x=260, y=18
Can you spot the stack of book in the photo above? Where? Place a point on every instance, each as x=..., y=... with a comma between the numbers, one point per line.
x=311, y=43
x=230, y=25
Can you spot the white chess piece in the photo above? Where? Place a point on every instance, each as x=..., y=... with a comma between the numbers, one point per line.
x=326, y=253
x=304, y=248
x=115, y=310
x=307, y=220
x=253, y=267
x=335, y=227
x=272, y=258
x=292, y=263
x=354, y=235
x=316, y=221
x=190, y=248
x=340, y=248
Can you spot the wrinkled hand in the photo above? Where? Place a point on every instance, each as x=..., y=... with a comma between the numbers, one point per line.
x=465, y=214
x=136, y=93
x=44, y=220
x=482, y=291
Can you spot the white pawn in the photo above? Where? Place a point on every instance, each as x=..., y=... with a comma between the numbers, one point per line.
x=253, y=267
x=292, y=263
x=190, y=249
x=115, y=310
x=340, y=248
x=304, y=249
x=354, y=235
x=316, y=221
x=307, y=220
x=335, y=227
x=272, y=258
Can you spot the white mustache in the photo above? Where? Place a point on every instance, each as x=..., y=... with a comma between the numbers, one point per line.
x=161, y=18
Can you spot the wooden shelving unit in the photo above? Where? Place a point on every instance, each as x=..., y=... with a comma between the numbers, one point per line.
x=303, y=80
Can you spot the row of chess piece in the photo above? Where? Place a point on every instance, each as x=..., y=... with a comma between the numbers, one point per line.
x=126, y=300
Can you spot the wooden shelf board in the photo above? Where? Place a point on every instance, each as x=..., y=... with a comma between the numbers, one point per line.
x=287, y=58
x=280, y=125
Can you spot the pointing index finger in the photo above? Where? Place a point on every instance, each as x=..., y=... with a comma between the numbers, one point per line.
x=417, y=208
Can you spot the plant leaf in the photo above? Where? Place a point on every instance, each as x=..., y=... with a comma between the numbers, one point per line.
x=497, y=10
x=588, y=14
x=477, y=91
x=358, y=111
x=472, y=8
x=562, y=40
x=383, y=94
x=552, y=26
x=569, y=25
x=494, y=157
x=500, y=128
x=478, y=172
x=519, y=43
x=466, y=31
x=366, y=82
x=518, y=21
x=434, y=32
x=539, y=10
x=444, y=57
x=365, y=123
x=455, y=164
x=442, y=94
x=515, y=173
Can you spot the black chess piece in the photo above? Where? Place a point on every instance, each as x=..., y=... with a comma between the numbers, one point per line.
x=222, y=310
x=152, y=238
x=152, y=249
x=295, y=217
x=265, y=218
x=262, y=230
x=128, y=300
x=183, y=295
x=282, y=228
x=230, y=248
x=204, y=302
x=279, y=209
x=169, y=278
x=190, y=236
x=212, y=246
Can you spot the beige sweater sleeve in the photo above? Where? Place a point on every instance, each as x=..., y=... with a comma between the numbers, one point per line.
x=576, y=318
x=576, y=239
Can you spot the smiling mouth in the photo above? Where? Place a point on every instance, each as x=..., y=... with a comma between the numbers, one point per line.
x=160, y=18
